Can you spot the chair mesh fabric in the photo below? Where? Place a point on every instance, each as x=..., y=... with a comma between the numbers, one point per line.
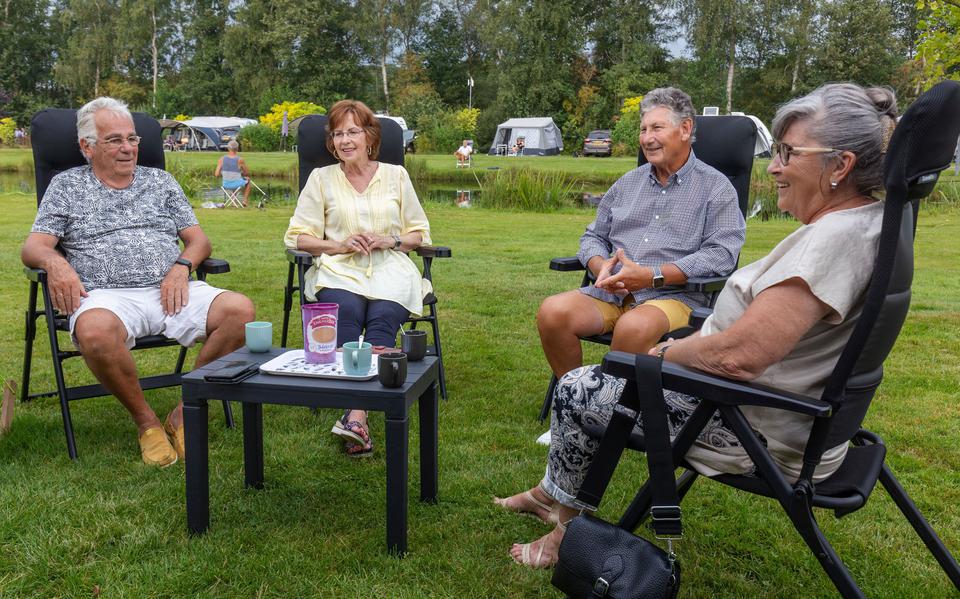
x=55, y=147
x=312, y=144
x=727, y=144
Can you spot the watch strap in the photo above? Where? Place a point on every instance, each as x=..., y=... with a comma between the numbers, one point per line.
x=185, y=262
x=657, y=277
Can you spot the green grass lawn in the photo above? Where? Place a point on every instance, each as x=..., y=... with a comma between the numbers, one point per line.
x=317, y=528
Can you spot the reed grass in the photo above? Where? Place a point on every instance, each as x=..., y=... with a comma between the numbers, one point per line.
x=530, y=190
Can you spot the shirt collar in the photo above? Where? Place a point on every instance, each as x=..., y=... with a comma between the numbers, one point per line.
x=678, y=177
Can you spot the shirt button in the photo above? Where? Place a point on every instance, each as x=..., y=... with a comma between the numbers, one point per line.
x=663, y=191
x=656, y=217
x=644, y=239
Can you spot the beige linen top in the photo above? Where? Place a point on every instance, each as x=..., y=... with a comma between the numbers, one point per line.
x=834, y=256
x=330, y=208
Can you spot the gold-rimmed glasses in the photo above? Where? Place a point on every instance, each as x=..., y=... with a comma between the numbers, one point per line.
x=784, y=151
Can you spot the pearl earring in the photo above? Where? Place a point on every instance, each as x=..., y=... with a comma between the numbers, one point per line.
x=833, y=185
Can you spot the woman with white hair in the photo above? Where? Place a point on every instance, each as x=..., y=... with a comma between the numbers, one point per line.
x=234, y=170
x=781, y=321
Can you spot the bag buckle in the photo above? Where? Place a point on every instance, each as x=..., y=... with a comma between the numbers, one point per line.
x=600, y=587
x=666, y=522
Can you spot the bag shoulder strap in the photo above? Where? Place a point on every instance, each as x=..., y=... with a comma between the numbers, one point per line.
x=643, y=399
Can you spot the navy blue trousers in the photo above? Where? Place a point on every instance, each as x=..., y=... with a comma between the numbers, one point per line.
x=378, y=319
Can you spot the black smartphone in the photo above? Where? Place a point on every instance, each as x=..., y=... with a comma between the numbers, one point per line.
x=233, y=372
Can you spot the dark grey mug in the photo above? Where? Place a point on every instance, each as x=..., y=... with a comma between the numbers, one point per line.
x=392, y=369
x=414, y=344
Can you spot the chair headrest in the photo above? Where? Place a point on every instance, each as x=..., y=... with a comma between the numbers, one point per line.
x=312, y=144
x=923, y=142
x=55, y=147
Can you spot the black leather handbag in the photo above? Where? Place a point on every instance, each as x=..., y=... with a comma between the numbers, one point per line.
x=600, y=560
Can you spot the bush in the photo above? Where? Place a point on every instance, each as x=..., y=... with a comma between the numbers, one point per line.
x=274, y=118
x=259, y=138
x=7, y=130
x=626, y=133
x=442, y=132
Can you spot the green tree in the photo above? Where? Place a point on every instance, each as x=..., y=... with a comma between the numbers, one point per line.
x=206, y=81
x=26, y=57
x=87, y=56
x=938, y=49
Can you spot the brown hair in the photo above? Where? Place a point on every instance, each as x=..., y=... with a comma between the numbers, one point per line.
x=362, y=116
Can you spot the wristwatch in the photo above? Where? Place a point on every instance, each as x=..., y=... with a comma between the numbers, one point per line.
x=186, y=263
x=657, y=277
x=396, y=242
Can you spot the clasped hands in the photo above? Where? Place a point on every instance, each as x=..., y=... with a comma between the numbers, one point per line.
x=630, y=277
x=364, y=243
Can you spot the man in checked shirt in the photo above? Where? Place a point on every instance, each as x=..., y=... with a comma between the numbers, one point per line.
x=671, y=219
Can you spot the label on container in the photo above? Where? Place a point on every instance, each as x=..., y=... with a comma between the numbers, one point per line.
x=322, y=334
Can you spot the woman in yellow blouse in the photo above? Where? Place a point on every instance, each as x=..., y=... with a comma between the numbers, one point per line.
x=359, y=218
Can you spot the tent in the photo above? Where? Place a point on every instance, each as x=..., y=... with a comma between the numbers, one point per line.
x=541, y=136
x=764, y=139
x=205, y=132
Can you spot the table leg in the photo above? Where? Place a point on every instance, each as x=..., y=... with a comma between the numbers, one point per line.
x=428, y=444
x=197, y=466
x=398, y=431
x=253, y=445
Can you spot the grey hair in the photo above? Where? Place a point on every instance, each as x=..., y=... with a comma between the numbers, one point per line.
x=86, y=127
x=233, y=145
x=850, y=118
x=676, y=100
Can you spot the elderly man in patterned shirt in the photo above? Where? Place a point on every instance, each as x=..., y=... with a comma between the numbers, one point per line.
x=671, y=219
x=122, y=274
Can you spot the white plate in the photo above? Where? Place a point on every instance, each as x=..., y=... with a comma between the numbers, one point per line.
x=292, y=363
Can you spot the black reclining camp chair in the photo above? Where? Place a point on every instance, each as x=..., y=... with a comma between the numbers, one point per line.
x=920, y=148
x=727, y=144
x=313, y=153
x=55, y=149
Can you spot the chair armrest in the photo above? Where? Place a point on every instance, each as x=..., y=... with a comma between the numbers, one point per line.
x=37, y=275
x=300, y=257
x=719, y=390
x=566, y=264
x=214, y=266
x=434, y=251
x=698, y=316
x=706, y=284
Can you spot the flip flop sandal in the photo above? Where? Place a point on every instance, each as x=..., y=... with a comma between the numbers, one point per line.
x=351, y=430
x=537, y=562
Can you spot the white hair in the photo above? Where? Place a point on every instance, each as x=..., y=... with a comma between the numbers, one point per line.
x=233, y=145
x=86, y=127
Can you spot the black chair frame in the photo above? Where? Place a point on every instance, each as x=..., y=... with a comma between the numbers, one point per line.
x=313, y=154
x=727, y=144
x=919, y=150
x=55, y=150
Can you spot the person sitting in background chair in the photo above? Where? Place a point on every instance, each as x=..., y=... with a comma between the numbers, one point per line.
x=104, y=217
x=781, y=321
x=235, y=173
x=463, y=154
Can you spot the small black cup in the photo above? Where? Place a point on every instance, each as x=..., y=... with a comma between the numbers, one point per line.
x=414, y=344
x=392, y=369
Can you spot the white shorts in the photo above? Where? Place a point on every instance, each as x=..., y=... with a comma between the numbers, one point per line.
x=140, y=312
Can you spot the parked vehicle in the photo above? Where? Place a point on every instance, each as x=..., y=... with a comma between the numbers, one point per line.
x=598, y=143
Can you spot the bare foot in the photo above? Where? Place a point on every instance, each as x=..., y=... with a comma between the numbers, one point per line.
x=542, y=553
x=533, y=502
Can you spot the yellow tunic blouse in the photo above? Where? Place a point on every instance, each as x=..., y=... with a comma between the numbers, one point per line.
x=330, y=208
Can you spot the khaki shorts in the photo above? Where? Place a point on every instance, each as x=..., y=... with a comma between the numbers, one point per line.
x=678, y=313
x=140, y=312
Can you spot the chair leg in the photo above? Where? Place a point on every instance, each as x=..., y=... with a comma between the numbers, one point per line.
x=435, y=325
x=920, y=525
x=548, y=398
x=30, y=333
x=228, y=414
x=58, y=376
x=287, y=305
x=800, y=513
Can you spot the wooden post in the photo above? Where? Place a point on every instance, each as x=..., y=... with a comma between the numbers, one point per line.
x=6, y=408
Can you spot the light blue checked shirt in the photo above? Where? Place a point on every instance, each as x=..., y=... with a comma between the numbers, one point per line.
x=694, y=222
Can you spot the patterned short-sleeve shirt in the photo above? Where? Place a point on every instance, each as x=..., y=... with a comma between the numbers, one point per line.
x=116, y=238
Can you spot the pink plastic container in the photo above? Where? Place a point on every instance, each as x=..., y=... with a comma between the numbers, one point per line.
x=320, y=333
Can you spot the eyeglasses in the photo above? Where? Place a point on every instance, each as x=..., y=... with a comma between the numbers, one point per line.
x=114, y=142
x=784, y=151
x=350, y=133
